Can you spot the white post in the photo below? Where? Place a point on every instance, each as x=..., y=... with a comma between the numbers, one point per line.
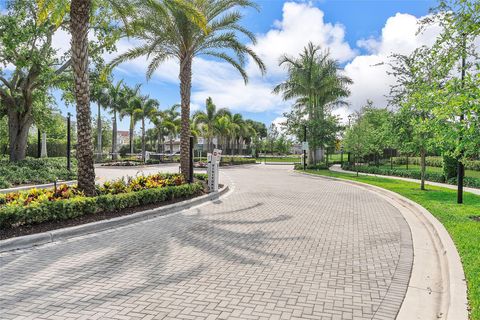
x=43, y=153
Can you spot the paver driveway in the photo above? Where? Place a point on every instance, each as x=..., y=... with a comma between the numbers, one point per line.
x=281, y=245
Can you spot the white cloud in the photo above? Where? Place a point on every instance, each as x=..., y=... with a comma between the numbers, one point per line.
x=369, y=72
x=300, y=24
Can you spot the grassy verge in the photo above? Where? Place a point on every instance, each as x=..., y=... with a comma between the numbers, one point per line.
x=441, y=202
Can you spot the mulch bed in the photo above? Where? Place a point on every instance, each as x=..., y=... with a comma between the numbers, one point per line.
x=53, y=225
x=475, y=218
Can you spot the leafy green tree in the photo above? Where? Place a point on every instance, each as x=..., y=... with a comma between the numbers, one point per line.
x=177, y=31
x=172, y=123
x=129, y=96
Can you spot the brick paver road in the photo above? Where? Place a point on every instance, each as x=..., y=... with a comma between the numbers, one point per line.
x=281, y=246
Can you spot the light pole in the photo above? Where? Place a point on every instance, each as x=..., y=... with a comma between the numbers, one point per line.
x=99, y=134
x=348, y=155
x=304, y=147
x=68, y=141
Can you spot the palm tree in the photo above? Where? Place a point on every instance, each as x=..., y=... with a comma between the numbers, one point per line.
x=128, y=109
x=158, y=119
x=237, y=131
x=113, y=99
x=223, y=126
x=206, y=120
x=314, y=81
x=144, y=108
x=172, y=124
x=174, y=31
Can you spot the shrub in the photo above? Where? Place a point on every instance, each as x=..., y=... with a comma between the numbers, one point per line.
x=318, y=166
x=33, y=170
x=450, y=165
x=37, y=212
x=236, y=160
x=435, y=162
x=415, y=174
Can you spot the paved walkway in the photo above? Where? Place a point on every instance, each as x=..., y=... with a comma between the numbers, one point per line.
x=338, y=168
x=280, y=246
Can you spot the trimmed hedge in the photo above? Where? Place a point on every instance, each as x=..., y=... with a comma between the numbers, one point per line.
x=414, y=174
x=319, y=166
x=435, y=162
x=12, y=216
x=33, y=170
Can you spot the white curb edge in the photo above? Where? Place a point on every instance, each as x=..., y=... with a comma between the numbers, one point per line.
x=437, y=287
x=28, y=241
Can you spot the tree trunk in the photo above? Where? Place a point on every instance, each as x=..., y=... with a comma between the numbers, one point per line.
x=159, y=141
x=80, y=15
x=422, y=168
x=130, y=133
x=18, y=126
x=143, y=139
x=185, y=91
x=99, y=134
x=114, y=135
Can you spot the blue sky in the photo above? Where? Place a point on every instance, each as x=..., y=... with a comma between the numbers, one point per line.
x=358, y=33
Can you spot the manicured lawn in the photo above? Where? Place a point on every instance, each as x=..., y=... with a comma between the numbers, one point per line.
x=413, y=167
x=441, y=202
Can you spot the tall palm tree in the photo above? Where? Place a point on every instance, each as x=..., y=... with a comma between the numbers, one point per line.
x=206, y=120
x=128, y=109
x=223, y=127
x=315, y=82
x=172, y=31
x=158, y=119
x=145, y=108
x=237, y=131
x=113, y=99
x=172, y=124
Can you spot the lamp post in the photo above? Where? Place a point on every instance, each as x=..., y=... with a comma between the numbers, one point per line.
x=304, y=147
x=348, y=155
x=39, y=143
x=99, y=134
x=68, y=141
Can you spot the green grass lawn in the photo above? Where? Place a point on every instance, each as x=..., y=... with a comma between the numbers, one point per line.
x=412, y=167
x=441, y=202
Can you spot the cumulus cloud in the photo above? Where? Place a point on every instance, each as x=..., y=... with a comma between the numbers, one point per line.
x=369, y=72
x=222, y=82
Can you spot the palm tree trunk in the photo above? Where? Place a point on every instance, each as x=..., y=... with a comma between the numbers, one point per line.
x=185, y=91
x=130, y=133
x=114, y=135
x=143, y=139
x=79, y=16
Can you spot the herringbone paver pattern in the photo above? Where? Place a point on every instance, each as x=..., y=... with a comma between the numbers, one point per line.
x=281, y=246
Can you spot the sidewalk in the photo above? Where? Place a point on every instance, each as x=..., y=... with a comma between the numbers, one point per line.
x=337, y=168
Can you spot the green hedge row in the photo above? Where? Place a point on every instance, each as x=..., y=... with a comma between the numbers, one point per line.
x=13, y=216
x=33, y=170
x=434, y=162
x=319, y=166
x=414, y=174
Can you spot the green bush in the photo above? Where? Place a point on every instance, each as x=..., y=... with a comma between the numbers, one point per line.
x=236, y=160
x=319, y=166
x=435, y=162
x=414, y=174
x=450, y=165
x=33, y=170
x=13, y=216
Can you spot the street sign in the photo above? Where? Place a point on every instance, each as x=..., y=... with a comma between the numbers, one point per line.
x=305, y=145
x=213, y=163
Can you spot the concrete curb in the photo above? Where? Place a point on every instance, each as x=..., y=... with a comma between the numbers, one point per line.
x=37, y=186
x=29, y=241
x=437, y=288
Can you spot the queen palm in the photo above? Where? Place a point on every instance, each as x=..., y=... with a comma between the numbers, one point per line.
x=314, y=81
x=112, y=98
x=172, y=124
x=144, y=108
x=206, y=119
x=170, y=32
x=128, y=109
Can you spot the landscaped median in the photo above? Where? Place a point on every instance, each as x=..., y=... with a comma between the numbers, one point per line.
x=24, y=210
x=461, y=221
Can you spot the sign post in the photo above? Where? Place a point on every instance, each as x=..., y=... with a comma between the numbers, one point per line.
x=213, y=160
